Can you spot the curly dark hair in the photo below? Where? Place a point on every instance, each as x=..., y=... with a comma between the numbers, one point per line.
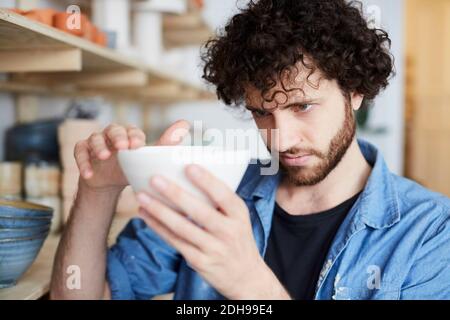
x=268, y=38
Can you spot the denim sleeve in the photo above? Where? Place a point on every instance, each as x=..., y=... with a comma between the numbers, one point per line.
x=141, y=265
x=429, y=277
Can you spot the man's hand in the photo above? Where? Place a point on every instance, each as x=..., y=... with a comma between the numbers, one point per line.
x=84, y=241
x=218, y=241
x=96, y=156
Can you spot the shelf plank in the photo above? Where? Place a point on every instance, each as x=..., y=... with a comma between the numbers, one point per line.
x=40, y=60
x=100, y=79
x=18, y=32
x=146, y=95
x=35, y=283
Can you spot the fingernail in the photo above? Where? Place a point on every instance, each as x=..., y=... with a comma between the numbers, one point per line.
x=144, y=199
x=159, y=183
x=194, y=171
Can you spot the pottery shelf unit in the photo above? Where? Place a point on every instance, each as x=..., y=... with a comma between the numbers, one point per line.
x=39, y=59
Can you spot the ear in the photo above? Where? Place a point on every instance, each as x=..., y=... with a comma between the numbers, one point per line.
x=356, y=100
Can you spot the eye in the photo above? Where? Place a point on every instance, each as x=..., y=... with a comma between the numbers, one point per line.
x=302, y=107
x=260, y=113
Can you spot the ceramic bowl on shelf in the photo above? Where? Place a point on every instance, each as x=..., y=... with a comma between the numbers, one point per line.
x=24, y=227
x=24, y=210
x=20, y=214
x=20, y=233
x=16, y=256
x=170, y=161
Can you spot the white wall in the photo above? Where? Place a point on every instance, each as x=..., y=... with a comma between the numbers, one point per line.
x=389, y=106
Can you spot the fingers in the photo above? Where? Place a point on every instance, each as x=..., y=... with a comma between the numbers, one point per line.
x=199, y=211
x=82, y=158
x=175, y=222
x=219, y=193
x=118, y=136
x=102, y=145
x=188, y=251
x=174, y=134
x=136, y=137
x=98, y=147
x=115, y=137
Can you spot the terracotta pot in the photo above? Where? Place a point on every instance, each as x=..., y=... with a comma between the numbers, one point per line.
x=196, y=4
x=60, y=21
x=90, y=32
x=44, y=16
x=101, y=38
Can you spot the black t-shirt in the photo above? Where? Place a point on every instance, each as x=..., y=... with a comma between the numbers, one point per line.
x=298, y=246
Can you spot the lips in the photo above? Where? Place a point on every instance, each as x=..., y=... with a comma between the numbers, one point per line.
x=296, y=161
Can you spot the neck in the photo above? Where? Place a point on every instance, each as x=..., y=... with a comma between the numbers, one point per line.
x=347, y=179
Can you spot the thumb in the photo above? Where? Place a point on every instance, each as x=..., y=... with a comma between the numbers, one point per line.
x=174, y=134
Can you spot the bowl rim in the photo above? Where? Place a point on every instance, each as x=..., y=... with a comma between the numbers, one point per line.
x=24, y=205
x=182, y=147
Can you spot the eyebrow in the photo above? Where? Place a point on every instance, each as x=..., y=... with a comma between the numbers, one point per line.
x=250, y=108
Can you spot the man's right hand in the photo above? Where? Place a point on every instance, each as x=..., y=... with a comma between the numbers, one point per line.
x=96, y=156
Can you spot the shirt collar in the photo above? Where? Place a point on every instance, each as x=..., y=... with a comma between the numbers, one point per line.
x=377, y=205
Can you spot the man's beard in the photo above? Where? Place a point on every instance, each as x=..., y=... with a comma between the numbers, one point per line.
x=304, y=176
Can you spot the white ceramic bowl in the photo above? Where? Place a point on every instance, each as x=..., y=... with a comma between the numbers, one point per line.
x=170, y=161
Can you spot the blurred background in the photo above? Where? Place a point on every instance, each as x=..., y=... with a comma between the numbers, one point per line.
x=137, y=62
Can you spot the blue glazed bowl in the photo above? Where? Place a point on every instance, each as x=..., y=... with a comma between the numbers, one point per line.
x=22, y=209
x=19, y=233
x=21, y=223
x=19, y=214
x=16, y=256
x=24, y=227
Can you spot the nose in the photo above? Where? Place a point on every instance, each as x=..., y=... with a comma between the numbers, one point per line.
x=286, y=134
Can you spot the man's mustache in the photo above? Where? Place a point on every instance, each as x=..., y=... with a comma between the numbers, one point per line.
x=295, y=151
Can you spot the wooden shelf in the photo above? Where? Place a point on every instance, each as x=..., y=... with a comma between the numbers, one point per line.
x=35, y=283
x=57, y=62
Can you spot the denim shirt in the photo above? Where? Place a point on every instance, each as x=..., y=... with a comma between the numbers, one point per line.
x=393, y=244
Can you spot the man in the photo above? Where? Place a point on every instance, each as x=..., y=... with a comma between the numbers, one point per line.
x=333, y=223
